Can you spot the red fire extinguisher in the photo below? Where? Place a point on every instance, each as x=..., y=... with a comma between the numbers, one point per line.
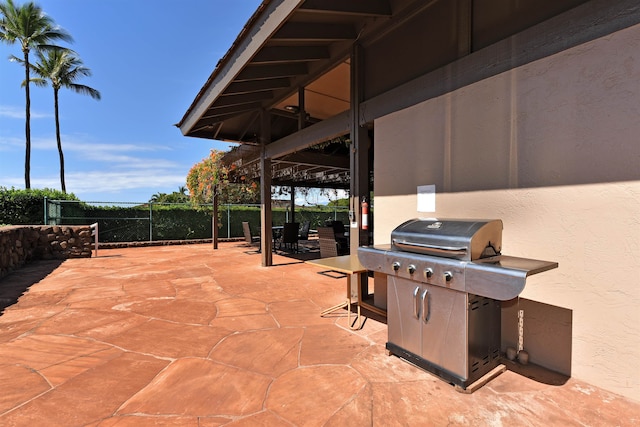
x=365, y=214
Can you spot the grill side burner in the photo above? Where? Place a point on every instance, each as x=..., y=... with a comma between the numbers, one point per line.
x=445, y=281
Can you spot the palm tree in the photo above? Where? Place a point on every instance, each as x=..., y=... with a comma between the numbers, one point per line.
x=62, y=68
x=31, y=28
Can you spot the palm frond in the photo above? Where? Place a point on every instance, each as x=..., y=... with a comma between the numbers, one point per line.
x=62, y=67
x=84, y=90
x=39, y=82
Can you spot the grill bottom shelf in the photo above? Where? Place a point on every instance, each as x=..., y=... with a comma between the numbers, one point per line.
x=463, y=383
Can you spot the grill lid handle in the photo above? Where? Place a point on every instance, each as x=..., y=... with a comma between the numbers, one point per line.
x=431, y=249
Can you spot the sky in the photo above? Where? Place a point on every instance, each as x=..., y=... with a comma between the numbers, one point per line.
x=149, y=59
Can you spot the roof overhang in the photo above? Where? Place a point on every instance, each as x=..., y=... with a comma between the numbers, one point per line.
x=285, y=46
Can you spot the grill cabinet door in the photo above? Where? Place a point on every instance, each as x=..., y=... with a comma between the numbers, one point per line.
x=404, y=328
x=444, y=329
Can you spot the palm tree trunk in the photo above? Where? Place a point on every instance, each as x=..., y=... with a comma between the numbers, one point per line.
x=55, y=105
x=27, y=129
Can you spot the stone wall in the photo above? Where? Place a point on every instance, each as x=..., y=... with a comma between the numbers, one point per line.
x=22, y=244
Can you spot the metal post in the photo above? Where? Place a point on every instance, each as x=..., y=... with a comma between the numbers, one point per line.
x=46, y=219
x=228, y=222
x=94, y=227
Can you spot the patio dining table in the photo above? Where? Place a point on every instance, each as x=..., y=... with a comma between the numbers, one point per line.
x=351, y=267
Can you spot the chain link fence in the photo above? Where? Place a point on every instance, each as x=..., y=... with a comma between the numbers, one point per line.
x=151, y=221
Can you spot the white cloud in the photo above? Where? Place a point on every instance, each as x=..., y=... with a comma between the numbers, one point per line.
x=116, y=181
x=10, y=143
x=16, y=112
x=102, y=186
x=115, y=155
x=99, y=170
x=86, y=146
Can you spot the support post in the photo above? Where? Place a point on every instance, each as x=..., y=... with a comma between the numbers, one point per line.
x=302, y=114
x=214, y=219
x=266, y=233
x=359, y=154
x=293, y=204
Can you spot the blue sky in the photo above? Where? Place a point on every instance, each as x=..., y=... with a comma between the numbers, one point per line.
x=149, y=59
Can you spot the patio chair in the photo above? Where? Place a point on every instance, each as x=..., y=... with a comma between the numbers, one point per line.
x=250, y=239
x=338, y=227
x=290, y=235
x=328, y=243
x=304, y=231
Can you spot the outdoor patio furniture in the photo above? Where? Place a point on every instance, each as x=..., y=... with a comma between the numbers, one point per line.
x=349, y=266
x=304, y=231
x=328, y=243
x=340, y=236
x=290, y=235
x=249, y=237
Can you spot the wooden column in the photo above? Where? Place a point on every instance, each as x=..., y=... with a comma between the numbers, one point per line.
x=266, y=232
x=302, y=121
x=293, y=204
x=465, y=20
x=359, y=154
x=302, y=114
x=214, y=219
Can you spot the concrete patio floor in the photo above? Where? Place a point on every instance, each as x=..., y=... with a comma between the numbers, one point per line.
x=189, y=336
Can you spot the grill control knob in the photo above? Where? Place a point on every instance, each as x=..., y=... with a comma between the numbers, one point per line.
x=395, y=266
x=428, y=272
x=448, y=276
x=411, y=269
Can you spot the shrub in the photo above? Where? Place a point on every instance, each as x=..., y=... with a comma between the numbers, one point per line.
x=175, y=221
x=26, y=207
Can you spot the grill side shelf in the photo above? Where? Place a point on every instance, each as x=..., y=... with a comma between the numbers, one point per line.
x=502, y=277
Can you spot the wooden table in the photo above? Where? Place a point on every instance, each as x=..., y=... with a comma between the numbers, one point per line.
x=349, y=265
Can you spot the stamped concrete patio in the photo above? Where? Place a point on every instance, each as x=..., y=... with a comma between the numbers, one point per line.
x=189, y=336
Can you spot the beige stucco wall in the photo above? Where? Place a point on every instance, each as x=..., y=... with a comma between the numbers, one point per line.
x=553, y=149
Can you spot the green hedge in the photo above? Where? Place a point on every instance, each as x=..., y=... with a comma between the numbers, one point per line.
x=26, y=207
x=176, y=221
x=133, y=223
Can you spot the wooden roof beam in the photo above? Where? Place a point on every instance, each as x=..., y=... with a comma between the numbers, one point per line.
x=290, y=54
x=222, y=111
x=311, y=31
x=243, y=98
x=271, y=71
x=257, y=85
x=351, y=7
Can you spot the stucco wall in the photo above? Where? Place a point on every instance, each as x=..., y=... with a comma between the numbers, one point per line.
x=553, y=149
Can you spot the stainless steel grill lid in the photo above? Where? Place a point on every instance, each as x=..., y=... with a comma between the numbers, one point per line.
x=451, y=238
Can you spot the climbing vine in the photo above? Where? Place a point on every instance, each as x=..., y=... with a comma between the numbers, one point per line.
x=211, y=177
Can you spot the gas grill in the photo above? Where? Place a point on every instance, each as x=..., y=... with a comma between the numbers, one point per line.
x=445, y=281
